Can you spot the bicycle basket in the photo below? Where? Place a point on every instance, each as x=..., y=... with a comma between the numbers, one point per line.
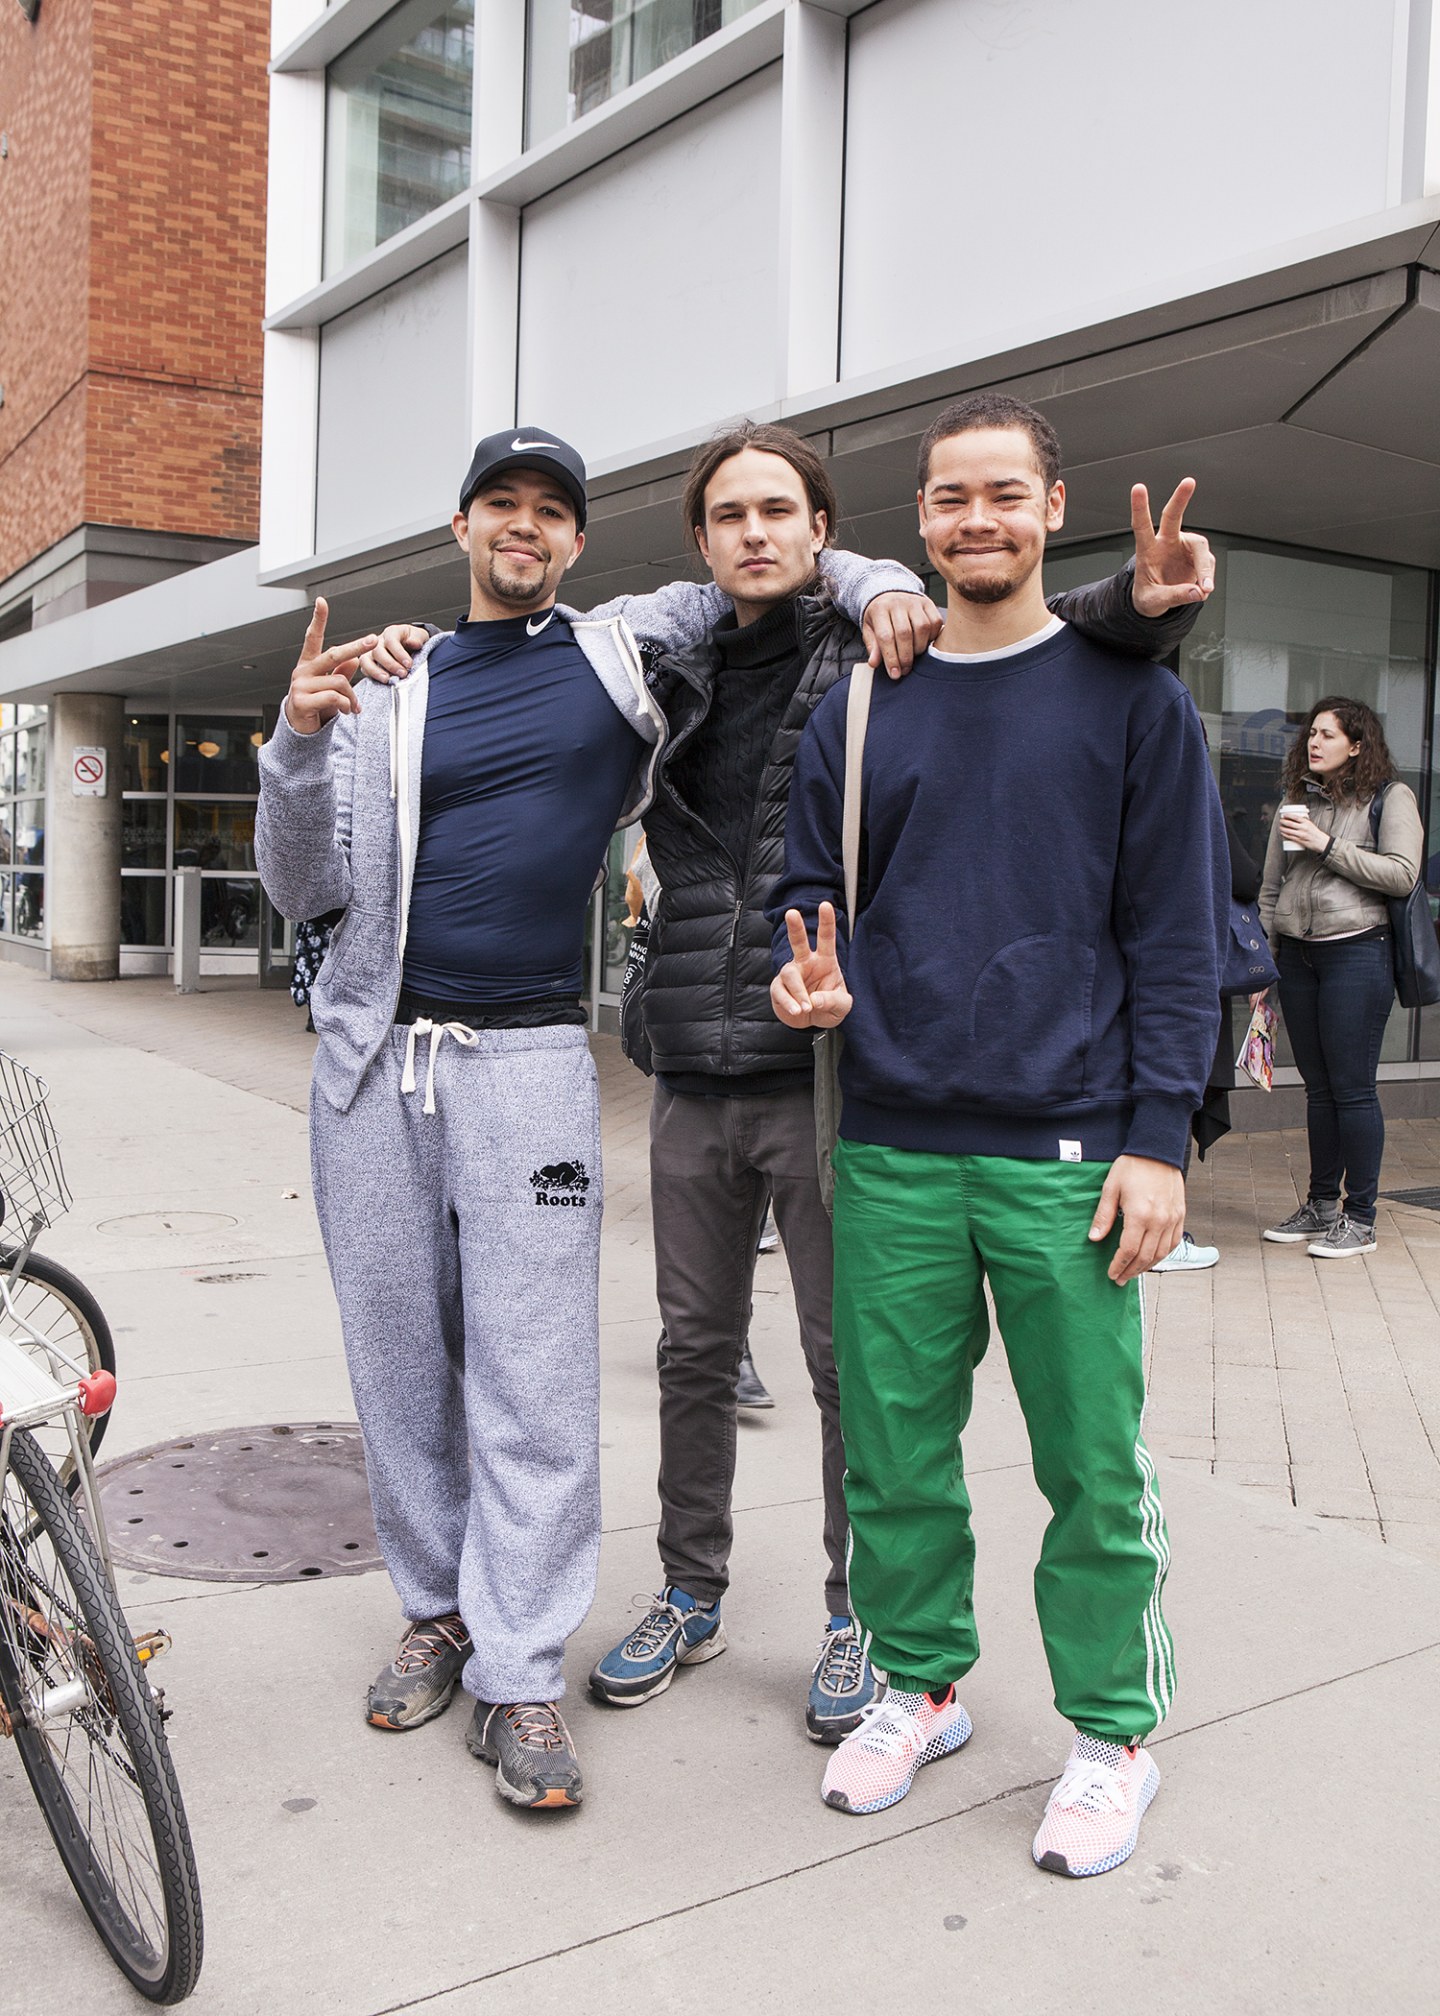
x=32, y=1179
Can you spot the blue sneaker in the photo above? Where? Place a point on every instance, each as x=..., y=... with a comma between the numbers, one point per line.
x=675, y=1631
x=842, y=1684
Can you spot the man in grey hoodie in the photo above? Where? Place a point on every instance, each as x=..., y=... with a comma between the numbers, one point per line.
x=458, y=819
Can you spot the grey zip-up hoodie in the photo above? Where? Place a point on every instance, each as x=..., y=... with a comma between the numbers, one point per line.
x=338, y=824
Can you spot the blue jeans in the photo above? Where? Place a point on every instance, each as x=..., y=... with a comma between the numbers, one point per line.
x=1337, y=996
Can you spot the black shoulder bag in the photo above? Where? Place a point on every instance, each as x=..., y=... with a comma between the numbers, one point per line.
x=1413, y=944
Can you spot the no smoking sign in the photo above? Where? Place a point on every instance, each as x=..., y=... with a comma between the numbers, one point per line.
x=87, y=773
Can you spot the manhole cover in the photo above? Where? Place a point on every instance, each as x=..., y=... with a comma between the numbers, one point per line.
x=1423, y=1200
x=282, y=1503
x=157, y=1224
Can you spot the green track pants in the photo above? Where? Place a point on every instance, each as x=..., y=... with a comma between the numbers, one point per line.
x=916, y=1238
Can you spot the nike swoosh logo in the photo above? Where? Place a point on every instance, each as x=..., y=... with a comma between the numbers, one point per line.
x=514, y=445
x=533, y=629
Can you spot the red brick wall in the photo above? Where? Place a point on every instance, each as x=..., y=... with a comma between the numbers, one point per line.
x=44, y=246
x=177, y=265
x=132, y=219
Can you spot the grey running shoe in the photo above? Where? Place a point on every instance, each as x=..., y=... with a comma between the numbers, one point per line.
x=530, y=1747
x=417, y=1684
x=1344, y=1239
x=751, y=1390
x=1311, y=1221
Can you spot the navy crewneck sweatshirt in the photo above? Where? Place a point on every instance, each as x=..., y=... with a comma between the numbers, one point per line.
x=1045, y=879
x=526, y=765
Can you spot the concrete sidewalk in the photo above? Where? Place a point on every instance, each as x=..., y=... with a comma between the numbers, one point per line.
x=345, y=1871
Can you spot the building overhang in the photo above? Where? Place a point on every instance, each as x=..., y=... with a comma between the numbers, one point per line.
x=1305, y=399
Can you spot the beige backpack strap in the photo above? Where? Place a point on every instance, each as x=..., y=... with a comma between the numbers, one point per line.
x=857, y=716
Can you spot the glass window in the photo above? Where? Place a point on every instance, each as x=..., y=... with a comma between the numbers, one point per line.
x=585, y=51
x=397, y=125
x=214, y=836
x=29, y=906
x=229, y=912
x=142, y=835
x=147, y=752
x=217, y=755
x=22, y=820
x=30, y=760
x=142, y=909
x=29, y=832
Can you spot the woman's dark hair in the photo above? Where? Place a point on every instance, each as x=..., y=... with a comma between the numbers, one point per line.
x=772, y=440
x=1369, y=768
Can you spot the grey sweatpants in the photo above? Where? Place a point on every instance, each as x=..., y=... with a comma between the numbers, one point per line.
x=464, y=1246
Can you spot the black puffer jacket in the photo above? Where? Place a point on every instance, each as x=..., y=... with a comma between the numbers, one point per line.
x=706, y=987
x=704, y=997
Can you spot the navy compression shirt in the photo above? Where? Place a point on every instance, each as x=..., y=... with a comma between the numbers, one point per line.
x=526, y=766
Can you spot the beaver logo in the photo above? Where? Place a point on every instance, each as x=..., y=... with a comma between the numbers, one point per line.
x=561, y=1183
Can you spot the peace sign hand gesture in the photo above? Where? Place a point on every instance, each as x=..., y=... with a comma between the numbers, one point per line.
x=1172, y=567
x=809, y=991
x=320, y=684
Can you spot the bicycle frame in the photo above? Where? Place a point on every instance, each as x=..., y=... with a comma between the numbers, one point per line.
x=30, y=1397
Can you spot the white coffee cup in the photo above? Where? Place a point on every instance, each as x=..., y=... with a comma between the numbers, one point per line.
x=1293, y=846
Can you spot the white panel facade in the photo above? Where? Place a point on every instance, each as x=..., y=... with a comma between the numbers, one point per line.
x=649, y=287
x=1009, y=165
x=394, y=433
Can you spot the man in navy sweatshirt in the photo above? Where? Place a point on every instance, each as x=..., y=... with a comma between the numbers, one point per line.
x=1030, y=995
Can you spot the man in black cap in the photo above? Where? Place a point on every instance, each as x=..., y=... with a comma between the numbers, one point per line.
x=459, y=820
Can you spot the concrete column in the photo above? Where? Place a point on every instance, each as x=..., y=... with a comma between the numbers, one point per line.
x=82, y=842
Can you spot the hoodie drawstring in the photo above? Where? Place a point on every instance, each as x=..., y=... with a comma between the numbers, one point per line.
x=464, y=1035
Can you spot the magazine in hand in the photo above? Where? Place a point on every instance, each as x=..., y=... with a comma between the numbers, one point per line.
x=1257, y=1052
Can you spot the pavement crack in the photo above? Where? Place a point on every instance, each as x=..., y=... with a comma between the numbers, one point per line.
x=438, y=1995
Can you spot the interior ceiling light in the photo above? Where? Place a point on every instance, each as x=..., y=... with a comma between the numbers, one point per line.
x=257, y=740
x=208, y=748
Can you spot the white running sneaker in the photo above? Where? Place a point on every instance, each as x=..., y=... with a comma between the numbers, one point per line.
x=875, y=1766
x=1187, y=1255
x=1092, y=1818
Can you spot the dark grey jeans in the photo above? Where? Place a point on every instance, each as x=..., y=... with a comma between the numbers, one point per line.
x=712, y=1164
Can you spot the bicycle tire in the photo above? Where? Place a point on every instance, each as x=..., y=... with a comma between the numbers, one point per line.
x=60, y=1306
x=61, y=1624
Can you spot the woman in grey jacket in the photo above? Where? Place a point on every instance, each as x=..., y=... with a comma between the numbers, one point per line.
x=1328, y=874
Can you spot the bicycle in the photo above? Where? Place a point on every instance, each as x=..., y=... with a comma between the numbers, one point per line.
x=75, y=1695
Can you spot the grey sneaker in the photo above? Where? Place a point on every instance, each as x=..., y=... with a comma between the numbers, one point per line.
x=417, y=1684
x=1311, y=1221
x=1344, y=1239
x=530, y=1747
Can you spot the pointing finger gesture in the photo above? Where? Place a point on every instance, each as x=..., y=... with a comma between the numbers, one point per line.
x=1173, y=567
x=809, y=991
x=320, y=684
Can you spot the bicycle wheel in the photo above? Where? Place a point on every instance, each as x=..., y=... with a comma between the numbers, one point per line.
x=60, y=1307
x=90, y=1736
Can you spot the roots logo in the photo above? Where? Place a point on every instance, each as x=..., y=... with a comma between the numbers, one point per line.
x=561, y=1183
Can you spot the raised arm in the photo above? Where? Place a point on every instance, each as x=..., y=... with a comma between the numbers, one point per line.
x=1150, y=606
x=307, y=774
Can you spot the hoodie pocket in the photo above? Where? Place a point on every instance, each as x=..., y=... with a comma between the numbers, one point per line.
x=1030, y=1021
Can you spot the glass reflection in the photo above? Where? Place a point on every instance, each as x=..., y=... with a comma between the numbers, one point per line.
x=147, y=752
x=397, y=125
x=216, y=754
x=214, y=836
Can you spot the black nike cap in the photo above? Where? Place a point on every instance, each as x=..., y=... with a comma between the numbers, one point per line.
x=527, y=448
